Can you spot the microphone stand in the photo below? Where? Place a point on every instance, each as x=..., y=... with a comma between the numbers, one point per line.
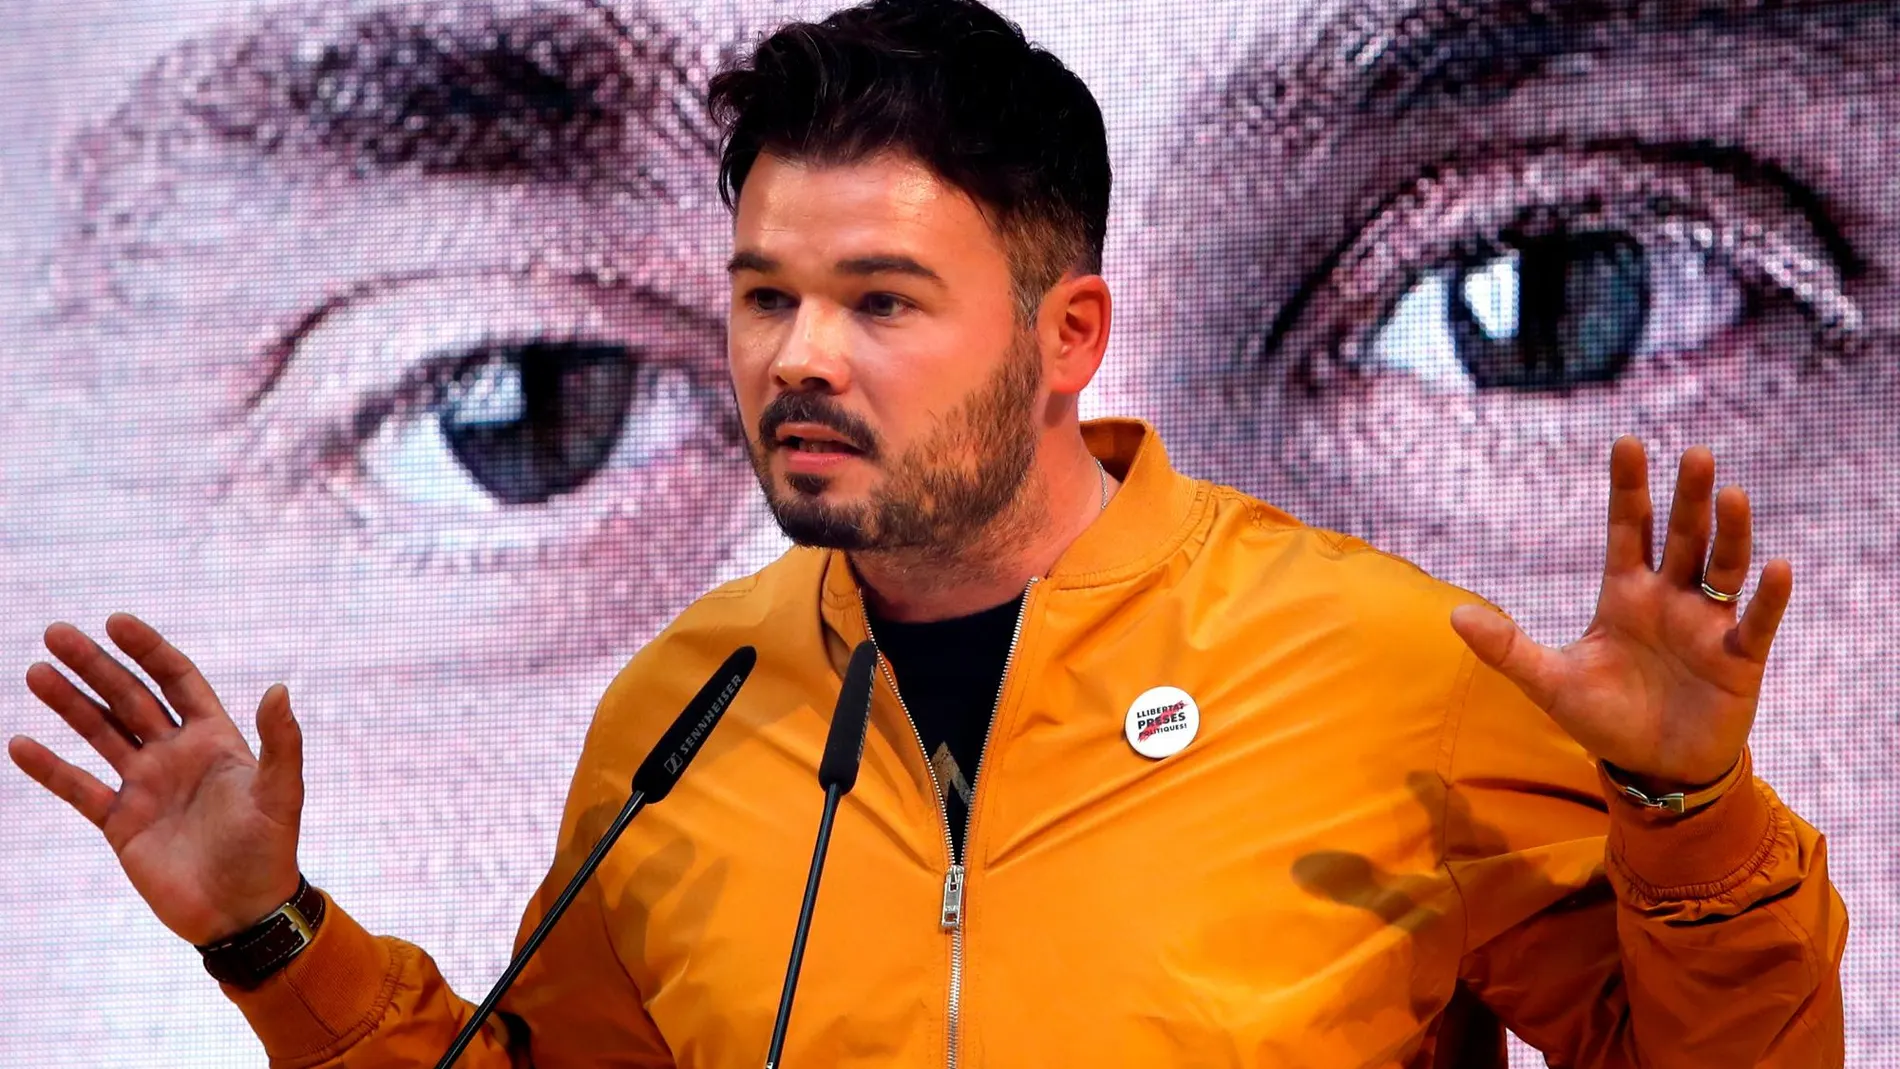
x=837, y=774
x=652, y=782
x=832, y=794
x=566, y=898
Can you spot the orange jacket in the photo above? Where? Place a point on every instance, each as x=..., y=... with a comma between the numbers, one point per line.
x=1372, y=852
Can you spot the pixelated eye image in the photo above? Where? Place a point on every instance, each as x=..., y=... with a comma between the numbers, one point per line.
x=380, y=348
x=1421, y=266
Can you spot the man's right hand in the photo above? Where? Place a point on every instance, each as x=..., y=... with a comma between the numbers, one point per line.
x=206, y=832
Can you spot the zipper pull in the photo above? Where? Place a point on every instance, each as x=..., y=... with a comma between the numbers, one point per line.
x=953, y=898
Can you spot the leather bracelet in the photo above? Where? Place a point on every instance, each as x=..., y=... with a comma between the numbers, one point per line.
x=1676, y=801
x=253, y=955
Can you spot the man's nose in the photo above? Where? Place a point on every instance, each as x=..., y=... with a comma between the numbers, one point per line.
x=815, y=353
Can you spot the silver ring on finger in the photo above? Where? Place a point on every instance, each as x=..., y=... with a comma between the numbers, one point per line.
x=1722, y=596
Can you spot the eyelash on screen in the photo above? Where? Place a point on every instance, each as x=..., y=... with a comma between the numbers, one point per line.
x=431, y=380
x=300, y=452
x=389, y=349
x=420, y=536
x=1755, y=226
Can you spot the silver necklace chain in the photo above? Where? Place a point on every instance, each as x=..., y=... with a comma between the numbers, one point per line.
x=1103, y=473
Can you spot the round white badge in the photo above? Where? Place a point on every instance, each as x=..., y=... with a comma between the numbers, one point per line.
x=1162, y=722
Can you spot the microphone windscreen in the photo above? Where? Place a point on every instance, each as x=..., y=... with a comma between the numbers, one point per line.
x=662, y=768
x=844, y=747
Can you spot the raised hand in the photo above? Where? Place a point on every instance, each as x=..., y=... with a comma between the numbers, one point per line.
x=206, y=832
x=1665, y=680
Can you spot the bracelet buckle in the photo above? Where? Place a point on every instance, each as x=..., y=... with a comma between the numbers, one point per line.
x=1676, y=802
x=1673, y=801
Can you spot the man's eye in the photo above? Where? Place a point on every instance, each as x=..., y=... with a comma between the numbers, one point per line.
x=1563, y=270
x=770, y=300
x=881, y=305
x=518, y=424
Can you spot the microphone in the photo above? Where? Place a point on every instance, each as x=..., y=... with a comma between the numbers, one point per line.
x=837, y=774
x=652, y=782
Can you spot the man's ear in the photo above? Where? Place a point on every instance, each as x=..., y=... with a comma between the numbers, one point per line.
x=1072, y=325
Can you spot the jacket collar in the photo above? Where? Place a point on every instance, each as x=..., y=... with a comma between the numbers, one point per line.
x=1149, y=517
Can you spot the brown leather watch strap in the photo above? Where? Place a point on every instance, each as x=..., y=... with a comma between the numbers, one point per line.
x=250, y=957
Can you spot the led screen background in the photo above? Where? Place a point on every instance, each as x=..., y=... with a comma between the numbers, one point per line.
x=293, y=295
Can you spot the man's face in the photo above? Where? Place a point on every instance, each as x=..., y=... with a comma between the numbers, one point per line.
x=880, y=370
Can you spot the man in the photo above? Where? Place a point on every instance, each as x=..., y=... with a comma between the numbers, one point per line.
x=1197, y=784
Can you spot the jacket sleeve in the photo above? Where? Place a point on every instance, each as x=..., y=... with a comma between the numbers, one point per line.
x=353, y=1000
x=1607, y=934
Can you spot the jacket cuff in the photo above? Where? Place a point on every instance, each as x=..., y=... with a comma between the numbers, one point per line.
x=1702, y=854
x=330, y=992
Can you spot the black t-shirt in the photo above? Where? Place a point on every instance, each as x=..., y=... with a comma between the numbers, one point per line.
x=949, y=673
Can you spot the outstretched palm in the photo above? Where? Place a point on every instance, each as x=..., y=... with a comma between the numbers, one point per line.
x=206, y=833
x=1665, y=680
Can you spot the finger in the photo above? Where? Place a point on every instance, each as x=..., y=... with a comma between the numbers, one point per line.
x=1727, y=570
x=280, y=757
x=1632, y=516
x=177, y=677
x=71, y=784
x=84, y=715
x=131, y=702
x=1755, y=631
x=1687, y=543
x=1504, y=646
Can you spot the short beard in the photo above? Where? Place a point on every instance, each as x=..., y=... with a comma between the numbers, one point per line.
x=940, y=497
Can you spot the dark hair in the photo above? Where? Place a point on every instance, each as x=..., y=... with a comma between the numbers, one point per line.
x=952, y=84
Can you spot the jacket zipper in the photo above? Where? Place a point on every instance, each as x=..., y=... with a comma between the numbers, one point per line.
x=952, y=918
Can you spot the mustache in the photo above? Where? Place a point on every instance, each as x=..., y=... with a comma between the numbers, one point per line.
x=819, y=409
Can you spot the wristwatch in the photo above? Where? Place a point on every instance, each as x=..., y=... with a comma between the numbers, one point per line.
x=1677, y=802
x=251, y=956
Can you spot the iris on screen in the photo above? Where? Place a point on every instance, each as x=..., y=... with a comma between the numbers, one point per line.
x=522, y=422
x=1544, y=312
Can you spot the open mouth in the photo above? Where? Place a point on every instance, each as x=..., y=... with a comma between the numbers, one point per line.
x=805, y=436
x=815, y=445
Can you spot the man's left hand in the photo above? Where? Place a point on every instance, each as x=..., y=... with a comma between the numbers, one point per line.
x=1664, y=682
